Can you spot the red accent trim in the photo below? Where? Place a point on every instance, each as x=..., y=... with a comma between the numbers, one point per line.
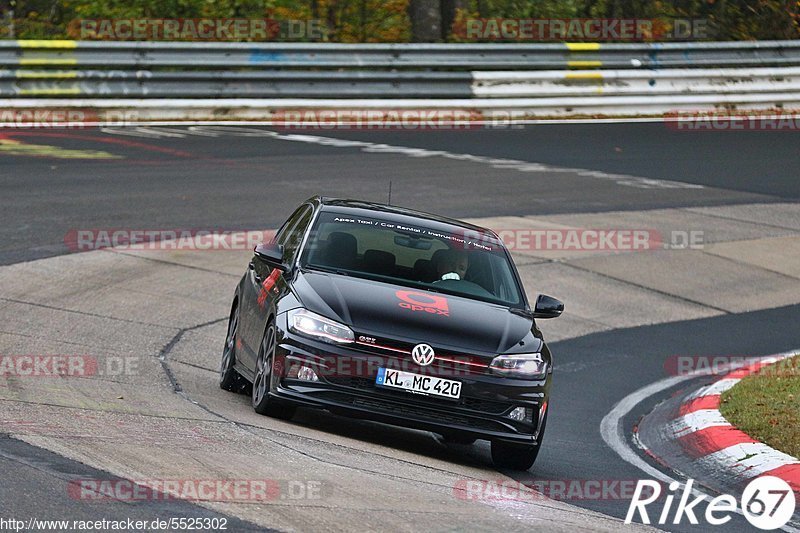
x=703, y=402
x=271, y=280
x=437, y=358
x=440, y=358
x=382, y=347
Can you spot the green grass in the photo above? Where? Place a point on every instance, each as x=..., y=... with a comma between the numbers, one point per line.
x=766, y=405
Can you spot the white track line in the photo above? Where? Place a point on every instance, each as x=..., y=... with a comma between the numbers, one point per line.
x=614, y=435
x=492, y=124
x=530, y=167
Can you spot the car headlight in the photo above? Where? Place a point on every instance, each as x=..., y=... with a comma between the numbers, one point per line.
x=304, y=322
x=520, y=365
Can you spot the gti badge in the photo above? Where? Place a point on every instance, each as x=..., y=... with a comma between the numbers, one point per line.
x=422, y=354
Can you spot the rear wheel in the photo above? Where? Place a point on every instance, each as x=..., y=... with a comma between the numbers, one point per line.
x=229, y=378
x=262, y=403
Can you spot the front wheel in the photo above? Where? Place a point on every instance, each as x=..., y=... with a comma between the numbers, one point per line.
x=515, y=456
x=262, y=403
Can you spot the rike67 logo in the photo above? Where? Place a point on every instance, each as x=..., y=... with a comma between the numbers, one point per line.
x=768, y=503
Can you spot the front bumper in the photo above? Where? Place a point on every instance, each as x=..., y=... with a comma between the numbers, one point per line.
x=481, y=411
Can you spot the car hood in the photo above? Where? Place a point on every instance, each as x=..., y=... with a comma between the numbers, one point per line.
x=413, y=315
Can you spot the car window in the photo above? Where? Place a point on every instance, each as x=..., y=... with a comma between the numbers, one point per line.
x=292, y=234
x=285, y=230
x=413, y=255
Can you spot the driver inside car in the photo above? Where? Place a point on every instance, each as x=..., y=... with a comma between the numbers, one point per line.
x=452, y=265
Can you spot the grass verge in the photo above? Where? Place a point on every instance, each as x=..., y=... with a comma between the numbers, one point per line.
x=766, y=405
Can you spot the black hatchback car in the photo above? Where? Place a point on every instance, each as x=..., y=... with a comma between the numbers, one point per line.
x=384, y=313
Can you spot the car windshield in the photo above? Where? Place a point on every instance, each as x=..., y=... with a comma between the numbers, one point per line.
x=469, y=263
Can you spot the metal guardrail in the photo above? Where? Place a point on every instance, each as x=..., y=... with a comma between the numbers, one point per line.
x=233, y=84
x=370, y=84
x=397, y=56
x=665, y=82
x=552, y=78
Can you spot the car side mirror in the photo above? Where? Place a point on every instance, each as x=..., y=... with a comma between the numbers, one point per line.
x=547, y=307
x=272, y=253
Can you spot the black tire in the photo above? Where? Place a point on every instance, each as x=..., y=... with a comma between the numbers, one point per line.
x=229, y=378
x=262, y=403
x=514, y=456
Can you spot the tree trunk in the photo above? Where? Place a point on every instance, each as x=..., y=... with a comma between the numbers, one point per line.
x=426, y=20
x=449, y=8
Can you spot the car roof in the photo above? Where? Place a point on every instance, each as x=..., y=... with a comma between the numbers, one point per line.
x=401, y=215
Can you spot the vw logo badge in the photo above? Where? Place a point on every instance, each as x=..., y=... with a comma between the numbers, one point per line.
x=422, y=354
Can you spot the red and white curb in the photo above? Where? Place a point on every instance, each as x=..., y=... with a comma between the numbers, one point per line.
x=712, y=442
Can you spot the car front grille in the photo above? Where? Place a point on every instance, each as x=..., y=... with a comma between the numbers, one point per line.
x=352, y=382
x=474, y=404
x=427, y=414
x=445, y=361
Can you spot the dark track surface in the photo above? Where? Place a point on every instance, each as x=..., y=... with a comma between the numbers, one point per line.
x=596, y=371
x=233, y=181
x=33, y=481
x=253, y=182
x=748, y=161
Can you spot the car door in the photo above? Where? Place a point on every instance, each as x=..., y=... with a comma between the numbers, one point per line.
x=265, y=283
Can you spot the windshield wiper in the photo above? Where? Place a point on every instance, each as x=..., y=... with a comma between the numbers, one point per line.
x=327, y=270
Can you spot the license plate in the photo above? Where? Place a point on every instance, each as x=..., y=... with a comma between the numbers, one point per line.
x=419, y=384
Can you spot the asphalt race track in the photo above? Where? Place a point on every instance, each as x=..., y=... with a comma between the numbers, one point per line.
x=165, y=179
x=627, y=313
